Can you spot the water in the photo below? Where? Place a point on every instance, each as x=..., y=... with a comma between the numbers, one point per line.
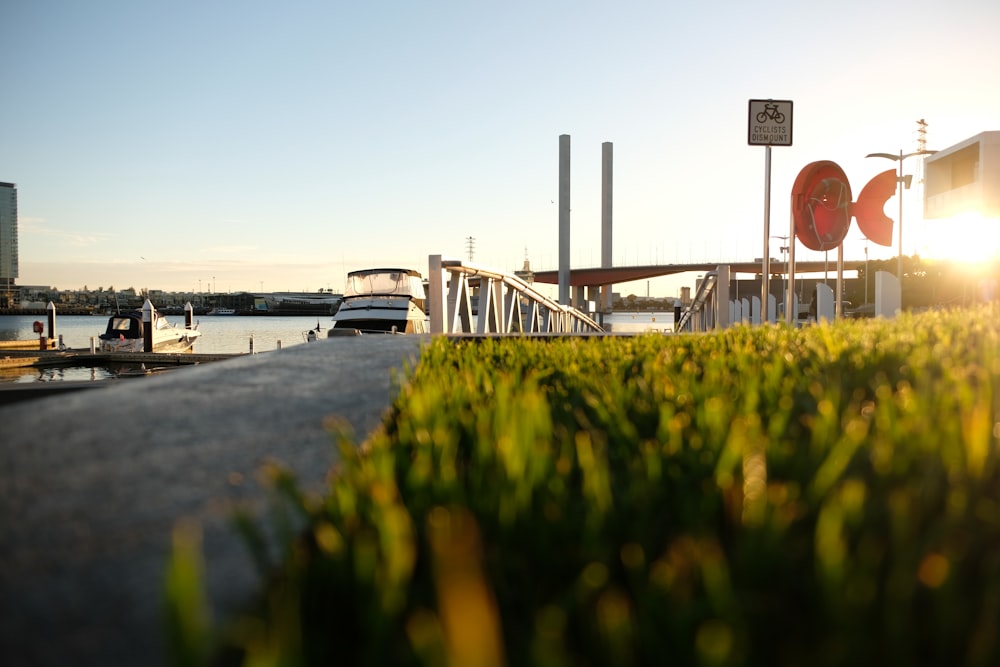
x=223, y=334
x=220, y=334
x=639, y=322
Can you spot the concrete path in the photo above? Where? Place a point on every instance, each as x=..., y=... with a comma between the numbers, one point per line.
x=93, y=482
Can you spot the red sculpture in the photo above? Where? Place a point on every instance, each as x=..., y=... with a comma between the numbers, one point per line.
x=822, y=206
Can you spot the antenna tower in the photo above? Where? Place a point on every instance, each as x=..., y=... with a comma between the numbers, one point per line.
x=470, y=246
x=921, y=135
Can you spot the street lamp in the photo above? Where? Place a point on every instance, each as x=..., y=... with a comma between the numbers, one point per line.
x=901, y=182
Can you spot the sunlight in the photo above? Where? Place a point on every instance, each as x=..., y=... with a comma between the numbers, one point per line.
x=968, y=237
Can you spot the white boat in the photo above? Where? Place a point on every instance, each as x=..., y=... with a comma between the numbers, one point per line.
x=381, y=301
x=125, y=333
x=222, y=311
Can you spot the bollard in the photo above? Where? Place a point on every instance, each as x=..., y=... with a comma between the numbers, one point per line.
x=93, y=345
x=279, y=343
x=147, y=326
x=251, y=343
x=39, y=329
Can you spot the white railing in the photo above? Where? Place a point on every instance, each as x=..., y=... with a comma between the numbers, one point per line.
x=506, y=304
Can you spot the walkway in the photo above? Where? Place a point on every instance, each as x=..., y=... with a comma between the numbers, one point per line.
x=92, y=483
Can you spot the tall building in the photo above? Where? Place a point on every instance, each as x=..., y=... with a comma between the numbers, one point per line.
x=8, y=242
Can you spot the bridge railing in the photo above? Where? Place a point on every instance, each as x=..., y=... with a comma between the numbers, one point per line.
x=506, y=304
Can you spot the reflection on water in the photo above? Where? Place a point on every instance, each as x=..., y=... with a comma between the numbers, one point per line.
x=55, y=374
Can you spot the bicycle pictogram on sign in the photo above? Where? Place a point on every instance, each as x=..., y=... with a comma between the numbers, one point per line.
x=770, y=111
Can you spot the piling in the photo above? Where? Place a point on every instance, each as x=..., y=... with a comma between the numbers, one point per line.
x=51, y=308
x=147, y=326
x=188, y=315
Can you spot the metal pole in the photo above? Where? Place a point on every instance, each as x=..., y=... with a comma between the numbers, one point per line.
x=899, y=260
x=867, y=271
x=790, y=303
x=839, y=308
x=765, y=262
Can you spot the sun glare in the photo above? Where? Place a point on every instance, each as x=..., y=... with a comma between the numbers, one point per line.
x=969, y=237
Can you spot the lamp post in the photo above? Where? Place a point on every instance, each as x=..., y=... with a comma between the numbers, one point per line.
x=901, y=182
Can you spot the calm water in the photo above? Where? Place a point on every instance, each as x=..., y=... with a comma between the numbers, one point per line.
x=223, y=334
x=220, y=334
x=624, y=322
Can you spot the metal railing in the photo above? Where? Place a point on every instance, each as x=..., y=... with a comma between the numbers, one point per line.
x=698, y=304
x=506, y=304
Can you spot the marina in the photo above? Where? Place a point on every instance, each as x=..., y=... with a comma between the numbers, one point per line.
x=73, y=359
x=220, y=335
x=68, y=357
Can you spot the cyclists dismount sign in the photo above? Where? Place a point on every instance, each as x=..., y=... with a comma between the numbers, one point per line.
x=770, y=123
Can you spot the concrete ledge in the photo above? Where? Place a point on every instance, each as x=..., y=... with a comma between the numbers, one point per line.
x=92, y=483
x=12, y=392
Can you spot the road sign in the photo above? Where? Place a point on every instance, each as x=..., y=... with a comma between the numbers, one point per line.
x=770, y=123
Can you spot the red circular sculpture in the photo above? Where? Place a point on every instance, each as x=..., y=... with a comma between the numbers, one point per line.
x=821, y=205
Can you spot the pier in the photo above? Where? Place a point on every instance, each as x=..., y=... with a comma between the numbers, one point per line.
x=95, y=481
x=21, y=358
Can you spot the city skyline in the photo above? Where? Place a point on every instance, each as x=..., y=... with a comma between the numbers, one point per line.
x=277, y=148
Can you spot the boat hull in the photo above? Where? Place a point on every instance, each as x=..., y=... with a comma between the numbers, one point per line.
x=369, y=317
x=172, y=345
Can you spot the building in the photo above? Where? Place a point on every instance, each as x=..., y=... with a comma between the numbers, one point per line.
x=8, y=243
x=964, y=178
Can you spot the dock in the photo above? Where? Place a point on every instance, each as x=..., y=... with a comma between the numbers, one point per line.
x=20, y=358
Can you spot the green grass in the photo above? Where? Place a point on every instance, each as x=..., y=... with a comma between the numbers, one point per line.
x=758, y=496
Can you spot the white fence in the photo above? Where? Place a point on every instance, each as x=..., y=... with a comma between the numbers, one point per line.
x=505, y=304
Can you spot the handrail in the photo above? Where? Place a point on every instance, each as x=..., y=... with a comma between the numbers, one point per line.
x=507, y=304
x=701, y=298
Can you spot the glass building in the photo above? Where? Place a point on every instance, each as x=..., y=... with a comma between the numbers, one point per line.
x=8, y=242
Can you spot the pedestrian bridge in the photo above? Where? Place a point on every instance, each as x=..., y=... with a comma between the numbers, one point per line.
x=504, y=303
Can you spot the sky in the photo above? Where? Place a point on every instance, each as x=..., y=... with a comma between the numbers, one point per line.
x=226, y=146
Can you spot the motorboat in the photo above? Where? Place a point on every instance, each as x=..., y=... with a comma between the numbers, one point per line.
x=383, y=301
x=222, y=311
x=126, y=333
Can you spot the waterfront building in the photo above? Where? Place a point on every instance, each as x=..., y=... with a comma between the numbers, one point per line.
x=8, y=243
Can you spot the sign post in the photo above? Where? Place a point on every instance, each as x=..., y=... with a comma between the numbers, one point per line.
x=769, y=123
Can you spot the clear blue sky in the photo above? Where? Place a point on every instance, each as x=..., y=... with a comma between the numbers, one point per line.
x=279, y=145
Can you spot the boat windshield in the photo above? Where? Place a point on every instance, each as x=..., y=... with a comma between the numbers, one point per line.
x=120, y=324
x=381, y=282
